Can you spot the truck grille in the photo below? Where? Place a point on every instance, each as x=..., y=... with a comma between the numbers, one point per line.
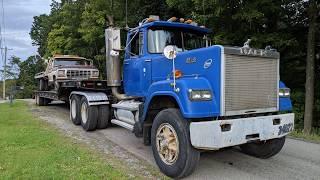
x=78, y=74
x=251, y=84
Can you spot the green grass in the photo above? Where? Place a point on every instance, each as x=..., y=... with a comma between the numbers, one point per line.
x=315, y=136
x=30, y=149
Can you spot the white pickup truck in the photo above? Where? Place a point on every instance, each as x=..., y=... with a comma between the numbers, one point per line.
x=65, y=69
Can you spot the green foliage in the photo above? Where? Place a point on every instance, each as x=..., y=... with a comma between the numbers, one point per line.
x=28, y=69
x=32, y=150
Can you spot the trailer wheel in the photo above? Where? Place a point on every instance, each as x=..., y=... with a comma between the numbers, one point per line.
x=75, y=110
x=89, y=115
x=170, y=141
x=104, y=117
x=263, y=149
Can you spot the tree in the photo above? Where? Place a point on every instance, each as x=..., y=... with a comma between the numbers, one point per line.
x=28, y=70
x=310, y=67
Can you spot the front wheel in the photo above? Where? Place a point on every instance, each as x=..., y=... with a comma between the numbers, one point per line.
x=170, y=141
x=263, y=149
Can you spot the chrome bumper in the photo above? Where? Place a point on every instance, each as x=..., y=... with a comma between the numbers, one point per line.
x=224, y=133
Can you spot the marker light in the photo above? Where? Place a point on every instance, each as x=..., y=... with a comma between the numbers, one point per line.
x=172, y=19
x=178, y=74
x=188, y=21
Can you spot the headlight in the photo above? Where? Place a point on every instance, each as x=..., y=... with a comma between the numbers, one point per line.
x=200, y=95
x=95, y=73
x=284, y=92
x=61, y=73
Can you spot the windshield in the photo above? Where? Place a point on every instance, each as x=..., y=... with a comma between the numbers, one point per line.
x=71, y=62
x=159, y=38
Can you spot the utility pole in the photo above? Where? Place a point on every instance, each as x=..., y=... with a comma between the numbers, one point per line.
x=4, y=72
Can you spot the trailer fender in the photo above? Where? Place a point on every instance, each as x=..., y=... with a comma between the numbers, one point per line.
x=94, y=98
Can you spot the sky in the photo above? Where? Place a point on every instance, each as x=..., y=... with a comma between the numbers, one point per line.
x=18, y=18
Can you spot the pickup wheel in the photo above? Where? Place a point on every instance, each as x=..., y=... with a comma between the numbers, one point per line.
x=43, y=85
x=75, y=110
x=170, y=141
x=104, y=117
x=263, y=149
x=89, y=115
x=40, y=101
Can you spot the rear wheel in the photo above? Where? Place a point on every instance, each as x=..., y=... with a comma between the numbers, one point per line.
x=170, y=140
x=264, y=149
x=75, y=110
x=89, y=115
x=104, y=117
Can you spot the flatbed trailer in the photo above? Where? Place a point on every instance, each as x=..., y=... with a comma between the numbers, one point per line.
x=43, y=98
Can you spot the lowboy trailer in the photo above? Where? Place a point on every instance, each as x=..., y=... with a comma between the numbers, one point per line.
x=183, y=95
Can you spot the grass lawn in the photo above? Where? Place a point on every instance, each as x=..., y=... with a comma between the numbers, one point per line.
x=30, y=149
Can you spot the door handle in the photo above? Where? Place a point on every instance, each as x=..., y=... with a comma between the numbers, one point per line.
x=147, y=60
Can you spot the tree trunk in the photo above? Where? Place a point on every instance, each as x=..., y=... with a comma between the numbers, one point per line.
x=310, y=67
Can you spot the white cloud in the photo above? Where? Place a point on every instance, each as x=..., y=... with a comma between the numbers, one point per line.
x=18, y=20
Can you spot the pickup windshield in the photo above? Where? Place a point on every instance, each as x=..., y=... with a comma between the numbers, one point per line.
x=159, y=38
x=71, y=62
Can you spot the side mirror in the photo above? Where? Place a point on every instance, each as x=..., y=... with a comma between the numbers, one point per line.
x=170, y=52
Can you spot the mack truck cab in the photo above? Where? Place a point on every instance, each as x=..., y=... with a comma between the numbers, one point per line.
x=183, y=95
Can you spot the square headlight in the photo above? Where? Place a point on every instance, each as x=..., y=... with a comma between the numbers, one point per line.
x=200, y=95
x=284, y=92
x=61, y=73
x=95, y=73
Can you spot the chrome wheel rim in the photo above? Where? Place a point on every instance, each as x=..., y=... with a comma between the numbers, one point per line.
x=84, y=113
x=73, y=109
x=167, y=144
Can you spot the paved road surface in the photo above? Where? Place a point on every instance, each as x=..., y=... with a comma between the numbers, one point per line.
x=297, y=160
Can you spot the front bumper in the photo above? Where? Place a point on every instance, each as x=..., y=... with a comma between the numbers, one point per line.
x=224, y=133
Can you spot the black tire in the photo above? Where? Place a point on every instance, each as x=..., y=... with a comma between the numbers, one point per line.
x=89, y=115
x=36, y=98
x=188, y=157
x=41, y=84
x=75, y=110
x=103, y=117
x=41, y=101
x=46, y=101
x=263, y=149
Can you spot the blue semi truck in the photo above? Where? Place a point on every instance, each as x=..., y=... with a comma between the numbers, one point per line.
x=183, y=95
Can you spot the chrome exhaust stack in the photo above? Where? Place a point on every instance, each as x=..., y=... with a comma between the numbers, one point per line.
x=113, y=46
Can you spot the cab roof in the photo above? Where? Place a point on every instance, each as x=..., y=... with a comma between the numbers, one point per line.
x=174, y=25
x=75, y=57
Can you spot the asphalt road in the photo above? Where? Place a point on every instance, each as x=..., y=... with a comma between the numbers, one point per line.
x=297, y=160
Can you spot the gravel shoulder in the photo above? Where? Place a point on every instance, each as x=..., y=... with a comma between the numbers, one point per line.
x=297, y=160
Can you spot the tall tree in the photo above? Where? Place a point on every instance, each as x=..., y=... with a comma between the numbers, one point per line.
x=310, y=66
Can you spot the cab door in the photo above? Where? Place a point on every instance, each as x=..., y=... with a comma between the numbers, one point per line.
x=136, y=66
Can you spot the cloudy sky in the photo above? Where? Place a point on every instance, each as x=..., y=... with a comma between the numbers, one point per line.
x=18, y=18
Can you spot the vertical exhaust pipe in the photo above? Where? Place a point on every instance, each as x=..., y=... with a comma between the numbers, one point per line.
x=113, y=46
